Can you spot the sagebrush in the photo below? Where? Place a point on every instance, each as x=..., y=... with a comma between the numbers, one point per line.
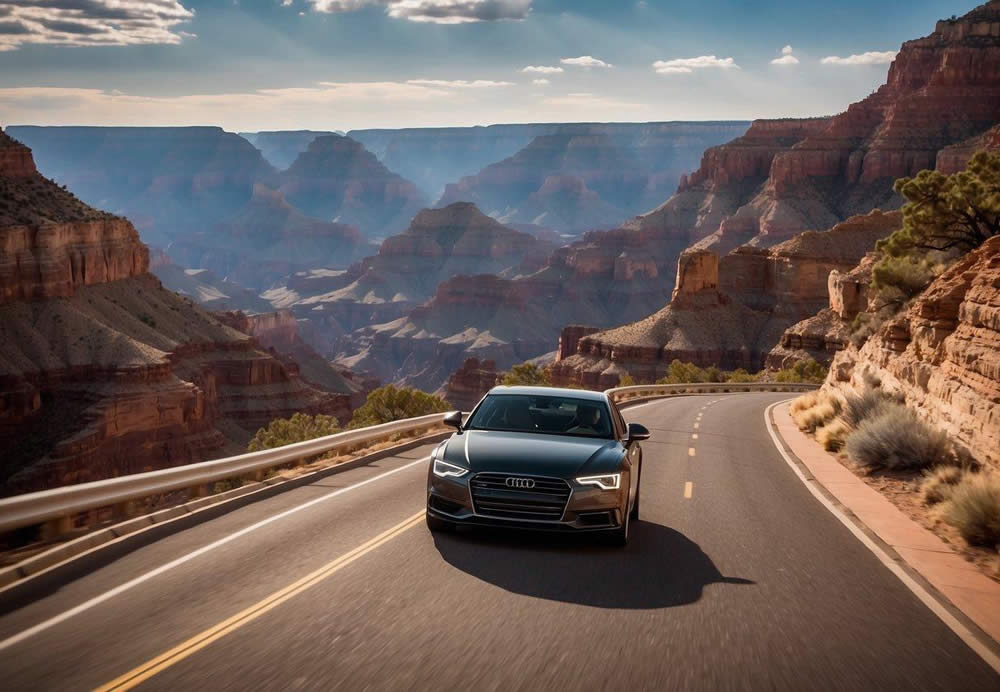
x=938, y=484
x=897, y=440
x=298, y=428
x=973, y=507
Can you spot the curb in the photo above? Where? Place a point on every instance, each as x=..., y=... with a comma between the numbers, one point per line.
x=924, y=583
x=43, y=573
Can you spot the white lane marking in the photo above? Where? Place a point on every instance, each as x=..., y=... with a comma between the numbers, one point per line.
x=694, y=436
x=953, y=623
x=690, y=451
x=688, y=490
x=696, y=425
x=131, y=584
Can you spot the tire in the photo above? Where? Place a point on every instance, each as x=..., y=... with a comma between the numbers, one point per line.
x=439, y=525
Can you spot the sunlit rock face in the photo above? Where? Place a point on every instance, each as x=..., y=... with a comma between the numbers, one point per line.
x=942, y=354
x=102, y=370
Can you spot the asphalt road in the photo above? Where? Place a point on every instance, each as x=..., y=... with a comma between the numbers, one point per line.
x=736, y=578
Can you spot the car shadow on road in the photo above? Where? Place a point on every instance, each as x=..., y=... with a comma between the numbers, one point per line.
x=659, y=568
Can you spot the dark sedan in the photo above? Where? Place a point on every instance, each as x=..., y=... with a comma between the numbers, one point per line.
x=539, y=458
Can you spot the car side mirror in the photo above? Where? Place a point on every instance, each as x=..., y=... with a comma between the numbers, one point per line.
x=454, y=419
x=637, y=432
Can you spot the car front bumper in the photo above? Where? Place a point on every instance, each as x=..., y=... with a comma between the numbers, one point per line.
x=587, y=508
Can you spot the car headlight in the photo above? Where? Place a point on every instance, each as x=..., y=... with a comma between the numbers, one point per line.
x=446, y=470
x=609, y=481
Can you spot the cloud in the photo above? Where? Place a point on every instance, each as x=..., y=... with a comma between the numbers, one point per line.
x=436, y=11
x=585, y=61
x=870, y=58
x=540, y=82
x=458, y=83
x=688, y=65
x=786, y=57
x=543, y=69
x=91, y=22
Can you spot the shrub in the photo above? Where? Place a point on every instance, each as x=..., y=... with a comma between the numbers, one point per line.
x=819, y=415
x=896, y=280
x=298, y=428
x=806, y=401
x=527, y=374
x=860, y=407
x=974, y=508
x=740, y=375
x=897, y=440
x=807, y=370
x=390, y=403
x=683, y=373
x=626, y=380
x=938, y=484
x=833, y=435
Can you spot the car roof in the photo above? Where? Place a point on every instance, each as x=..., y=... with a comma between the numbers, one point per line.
x=551, y=391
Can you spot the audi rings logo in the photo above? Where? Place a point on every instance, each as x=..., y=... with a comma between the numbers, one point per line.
x=524, y=483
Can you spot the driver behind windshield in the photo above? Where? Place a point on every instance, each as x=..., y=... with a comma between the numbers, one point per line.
x=588, y=421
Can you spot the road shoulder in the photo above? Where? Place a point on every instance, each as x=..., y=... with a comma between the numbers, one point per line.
x=960, y=590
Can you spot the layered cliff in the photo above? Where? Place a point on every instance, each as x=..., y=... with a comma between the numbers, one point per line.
x=168, y=180
x=438, y=245
x=268, y=239
x=581, y=177
x=282, y=147
x=727, y=311
x=102, y=370
x=942, y=354
x=783, y=177
x=467, y=385
x=337, y=178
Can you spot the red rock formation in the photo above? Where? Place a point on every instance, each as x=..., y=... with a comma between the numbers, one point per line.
x=570, y=337
x=469, y=383
x=942, y=354
x=102, y=370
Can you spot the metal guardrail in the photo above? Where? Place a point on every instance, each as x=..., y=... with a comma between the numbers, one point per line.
x=60, y=503
x=654, y=390
x=37, y=508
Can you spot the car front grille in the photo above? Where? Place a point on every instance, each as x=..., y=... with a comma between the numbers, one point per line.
x=491, y=497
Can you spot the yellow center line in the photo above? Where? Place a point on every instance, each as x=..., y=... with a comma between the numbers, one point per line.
x=688, y=490
x=200, y=641
x=690, y=451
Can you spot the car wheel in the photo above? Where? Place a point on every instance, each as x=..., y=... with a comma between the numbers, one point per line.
x=438, y=525
x=619, y=537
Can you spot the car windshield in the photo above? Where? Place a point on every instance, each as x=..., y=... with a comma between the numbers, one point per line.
x=554, y=415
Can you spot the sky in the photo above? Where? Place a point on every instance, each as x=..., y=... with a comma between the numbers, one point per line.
x=250, y=65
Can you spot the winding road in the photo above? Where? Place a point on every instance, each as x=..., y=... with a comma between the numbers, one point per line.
x=736, y=578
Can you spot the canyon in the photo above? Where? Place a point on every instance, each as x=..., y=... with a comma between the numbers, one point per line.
x=737, y=223
x=103, y=371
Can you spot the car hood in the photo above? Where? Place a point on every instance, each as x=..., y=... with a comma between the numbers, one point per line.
x=534, y=454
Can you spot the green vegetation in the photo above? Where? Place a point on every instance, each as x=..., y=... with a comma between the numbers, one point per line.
x=390, y=403
x=973, y=507
x=687, y=373
x=147, y=319
x=298, y=428
x=945, y=217
x=859, y=407
x=626, y=380
x=527, y=374
x=803, y=371
x=897, y=440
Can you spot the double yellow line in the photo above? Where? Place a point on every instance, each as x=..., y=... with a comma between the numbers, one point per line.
x=198, y=642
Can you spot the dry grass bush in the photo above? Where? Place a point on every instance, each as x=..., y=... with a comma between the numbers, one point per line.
x=896, y=439
x=973, y=508
x=869, y=404
x=938, y=484
x=833, y=435
x=806, y=401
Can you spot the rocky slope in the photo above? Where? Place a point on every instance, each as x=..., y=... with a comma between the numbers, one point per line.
x=336, y=178
x=438, y=245
x=942, y=354
x=783, y=177
x=582, y=177
x=268, y=239
x=467, y=385
x=102, y=370
x=281, y=147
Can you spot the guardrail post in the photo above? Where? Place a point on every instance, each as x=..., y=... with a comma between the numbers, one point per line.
x=124, y=510
x=54, y=528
